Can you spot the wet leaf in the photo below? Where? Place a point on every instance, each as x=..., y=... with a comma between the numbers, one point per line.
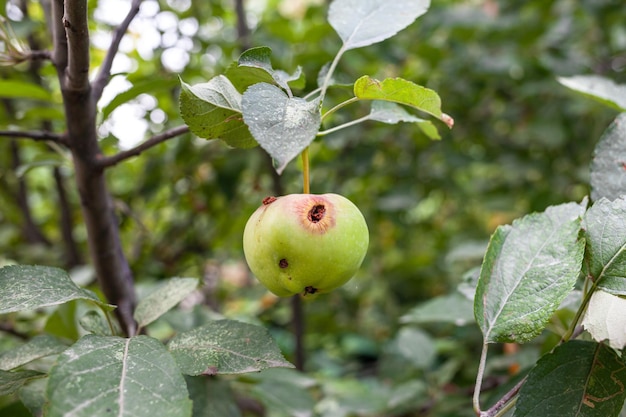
x=163, y=299
x=528, y=270
x=365, y=22
x=605, y=234
x=598, y=88
x=226, y=347
x=283, y=126
x=212, y=110
x=101, y=376
x=24, y=287
x=608, y=166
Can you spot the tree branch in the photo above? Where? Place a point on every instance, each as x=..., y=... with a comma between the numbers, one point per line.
x=105, y=247
x=105, y=162
x=59, y=54
x=77, y=32
x=37, y=136
x=105, y=70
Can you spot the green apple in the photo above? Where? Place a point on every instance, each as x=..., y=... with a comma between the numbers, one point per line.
x=305, y=243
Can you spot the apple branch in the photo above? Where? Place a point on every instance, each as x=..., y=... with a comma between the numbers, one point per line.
x=36, y=136
x=109, y=161
x=111, y=266
x=77, y=32
x=105, y=69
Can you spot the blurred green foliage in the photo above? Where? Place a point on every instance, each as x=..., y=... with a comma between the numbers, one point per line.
x=521, y=142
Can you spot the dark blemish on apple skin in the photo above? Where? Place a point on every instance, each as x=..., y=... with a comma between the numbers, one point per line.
x=283, y=263
x=310, y=290
x=317, y=213
x=269, y=200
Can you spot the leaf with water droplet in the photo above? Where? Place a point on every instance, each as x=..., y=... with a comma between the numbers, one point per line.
x=226, y=347
x=283, y=126
x=366, y=22
x=212, y=110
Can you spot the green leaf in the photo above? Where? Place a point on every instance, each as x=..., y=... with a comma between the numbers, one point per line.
x=93, y=322
x=605, y=318
x=21, y=89
x=104, y=376
x=149, y=86
x=452, y=308
x=529, y=268
x=211, y=397
x=282, y=125
x=254, y=66
x=38, y=347
x=605, y=234
x=162, y=300
x=12, y=381
x=284, y=392
x=608, y=166
x=391, y=113
x=226, y=347
x=33, y=396
x=415, y=347
x=51, y=162
x=399, y=90
x=24, y=287
x=578, y=379
x=598, y=88
x=212, y=110
x=365, y=22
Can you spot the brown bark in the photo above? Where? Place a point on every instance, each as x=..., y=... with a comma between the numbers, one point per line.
x=71, y=58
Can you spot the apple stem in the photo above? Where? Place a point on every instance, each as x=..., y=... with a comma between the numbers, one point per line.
x=305, y=171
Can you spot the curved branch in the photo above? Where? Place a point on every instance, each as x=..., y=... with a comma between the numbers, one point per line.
x=105, y=70
x=105, y=162
x=37, y=136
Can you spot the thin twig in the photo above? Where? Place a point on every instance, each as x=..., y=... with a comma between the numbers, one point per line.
x=479, y=378
x=504, y=401
x=102, y=78
x=37, y=136
x=109, y=161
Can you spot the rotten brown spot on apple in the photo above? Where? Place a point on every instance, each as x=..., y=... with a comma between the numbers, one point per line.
x=269, y=200
x=317, y=213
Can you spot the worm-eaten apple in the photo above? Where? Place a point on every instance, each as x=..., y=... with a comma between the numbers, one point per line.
x=305, y=243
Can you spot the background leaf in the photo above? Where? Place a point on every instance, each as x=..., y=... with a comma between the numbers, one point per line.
x=24, y=287
x=365, y=22
x=283, y=126
x=608, y=166
x=21, y=89
x=144, y=86
x=578, y=379
x=12, y=381
x=605, y=234
x=226, y=347
x=451, y=308
x=529, y=268
x=399, y=90
x=103, y=376
x=598, y=88
x=211, y=397
x=38, y=347
x=212, y=110
x=163, y=299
